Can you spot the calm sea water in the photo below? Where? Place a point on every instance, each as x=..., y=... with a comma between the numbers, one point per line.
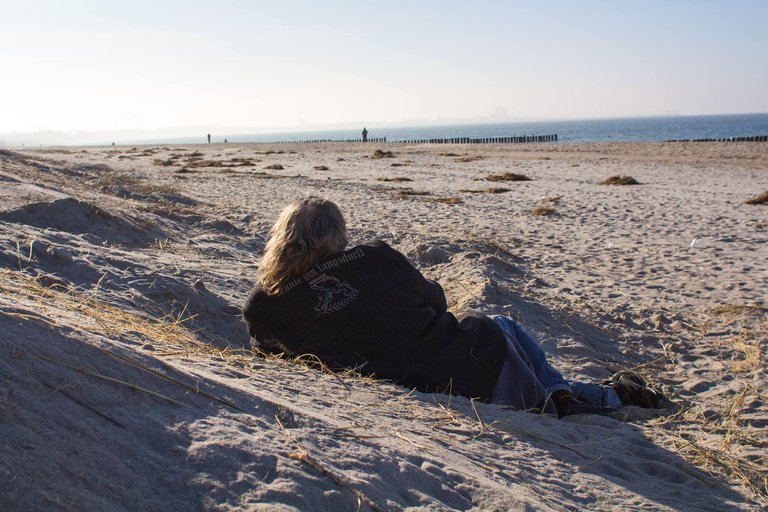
x=595, y=130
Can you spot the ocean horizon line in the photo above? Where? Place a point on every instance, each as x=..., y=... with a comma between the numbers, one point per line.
x=620, y=128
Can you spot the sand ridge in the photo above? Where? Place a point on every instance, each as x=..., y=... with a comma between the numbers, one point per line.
x=124, y=268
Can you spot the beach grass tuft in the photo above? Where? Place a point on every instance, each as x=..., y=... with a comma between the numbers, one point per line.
x=407, y=192
x=758, y=199
x=620, y=180
x=728, y=442
x=507, y=176
x=543, y=210
x=395, y=179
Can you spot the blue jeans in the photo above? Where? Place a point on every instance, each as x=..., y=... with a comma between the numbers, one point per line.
x=551, y=380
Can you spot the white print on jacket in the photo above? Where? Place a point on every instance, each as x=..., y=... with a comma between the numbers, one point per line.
x=334, y=295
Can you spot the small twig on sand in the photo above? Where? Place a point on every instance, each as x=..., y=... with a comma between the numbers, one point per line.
x=18, y=253
x=98, y=284
x=477, y=414
x=112, y=379
x=25, y=316
x=417, y=445
x=194, y=389
x=86, y=405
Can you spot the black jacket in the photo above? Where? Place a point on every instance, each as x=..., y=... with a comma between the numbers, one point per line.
x=369, y=306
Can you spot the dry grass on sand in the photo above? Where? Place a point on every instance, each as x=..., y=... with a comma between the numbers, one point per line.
x=758, y=199
x=620, y=180
x=507, y=176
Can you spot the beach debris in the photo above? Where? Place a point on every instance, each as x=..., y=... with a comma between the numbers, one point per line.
x=321, y=168
x=699, y=243
x=758, y=199
x=507, y=176
x=274, y=167
x=659, y=321
x=543, y=210
x=234, y=162
x=620, y=180
x=449, y=200
x=396, y=179
x=406, y=192
x=383, y=154
x=497, y=190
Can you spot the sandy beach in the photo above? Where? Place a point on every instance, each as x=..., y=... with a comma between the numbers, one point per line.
x=127, y=381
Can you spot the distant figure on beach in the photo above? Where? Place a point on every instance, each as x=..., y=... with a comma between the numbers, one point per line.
x=365, y=134
x=225, y=141
x=368, y=308
x=209, y=138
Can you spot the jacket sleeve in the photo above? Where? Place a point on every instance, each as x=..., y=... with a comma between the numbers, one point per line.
x=431, y=292
x=434, y=295
x=259, y=338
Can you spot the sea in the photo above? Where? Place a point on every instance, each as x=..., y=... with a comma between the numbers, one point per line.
x=569, y=131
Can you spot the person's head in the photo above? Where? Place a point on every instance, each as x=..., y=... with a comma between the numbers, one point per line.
x=306, y=231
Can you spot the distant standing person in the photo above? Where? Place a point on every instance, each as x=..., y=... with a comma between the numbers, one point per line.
x=209, y=138
x=365, y=134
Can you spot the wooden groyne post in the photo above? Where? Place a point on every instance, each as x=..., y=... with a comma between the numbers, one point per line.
x=754, y=138
x=518, y=139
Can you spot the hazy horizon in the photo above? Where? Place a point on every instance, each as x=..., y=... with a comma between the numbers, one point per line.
x=718, y=125
x=105, y=67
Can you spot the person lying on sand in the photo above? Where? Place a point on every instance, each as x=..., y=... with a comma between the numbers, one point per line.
x=368, y=308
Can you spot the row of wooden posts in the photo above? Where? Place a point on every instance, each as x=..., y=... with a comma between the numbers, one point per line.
x=756, y=138
x=317, y=141
x=520, y=139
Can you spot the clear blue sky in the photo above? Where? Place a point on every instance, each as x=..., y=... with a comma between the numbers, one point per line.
x=103, y=65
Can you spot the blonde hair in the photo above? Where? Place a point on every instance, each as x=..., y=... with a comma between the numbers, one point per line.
x=306, y=231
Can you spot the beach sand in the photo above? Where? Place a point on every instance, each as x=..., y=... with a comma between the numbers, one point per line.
x=125, y=377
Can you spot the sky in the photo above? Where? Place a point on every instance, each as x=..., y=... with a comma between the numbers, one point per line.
x=69, y=65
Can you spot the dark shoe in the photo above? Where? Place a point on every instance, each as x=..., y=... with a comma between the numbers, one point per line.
x=633, y=390
x=562, y=401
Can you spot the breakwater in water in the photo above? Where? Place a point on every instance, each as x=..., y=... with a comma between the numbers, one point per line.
x=519, y=139
x=756, y=138
x=648, y=129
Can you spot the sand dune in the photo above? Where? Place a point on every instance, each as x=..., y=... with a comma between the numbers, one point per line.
x=126, y=382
